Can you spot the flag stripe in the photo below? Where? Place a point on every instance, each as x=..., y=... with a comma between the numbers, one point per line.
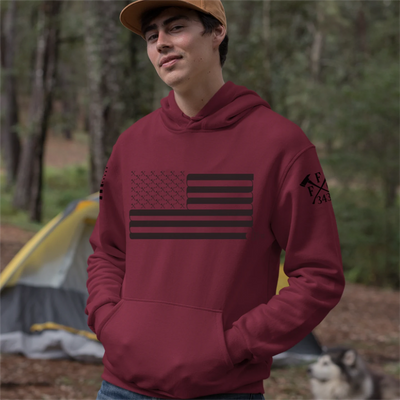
x=219, y=200
x=188, y=236
x=218, y=177
x=133, y=224
x=184, y=213
x=219, y=189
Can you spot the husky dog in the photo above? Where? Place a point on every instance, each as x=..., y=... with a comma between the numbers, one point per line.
x=341, y=373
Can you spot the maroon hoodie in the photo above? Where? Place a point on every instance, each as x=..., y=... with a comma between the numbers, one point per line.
x=194, y=213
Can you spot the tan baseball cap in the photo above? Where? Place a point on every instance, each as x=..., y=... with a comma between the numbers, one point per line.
x=131, y=15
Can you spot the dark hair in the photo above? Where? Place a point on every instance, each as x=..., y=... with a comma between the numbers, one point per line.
x=209, y=22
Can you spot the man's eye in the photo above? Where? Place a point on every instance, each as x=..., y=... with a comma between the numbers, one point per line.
x=176, y=27
x=151, y=37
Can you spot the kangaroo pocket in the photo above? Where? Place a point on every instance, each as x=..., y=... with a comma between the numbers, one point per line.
x=164, y=346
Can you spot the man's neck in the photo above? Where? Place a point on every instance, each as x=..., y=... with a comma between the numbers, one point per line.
x=192, y=100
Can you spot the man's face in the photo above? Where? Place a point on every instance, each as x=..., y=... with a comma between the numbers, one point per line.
x=180, y=54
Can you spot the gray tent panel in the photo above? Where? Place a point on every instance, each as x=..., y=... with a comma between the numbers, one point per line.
x=52, y=344
x=307, y=350
x=36, y=322
x=24, y=306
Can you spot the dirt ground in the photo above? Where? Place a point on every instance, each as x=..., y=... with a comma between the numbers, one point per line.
x=367, y=319
x=60, y=152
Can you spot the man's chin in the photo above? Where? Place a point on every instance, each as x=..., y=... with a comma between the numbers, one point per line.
x=173, y=82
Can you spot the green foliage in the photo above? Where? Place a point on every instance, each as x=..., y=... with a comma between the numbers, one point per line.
x=10, y=215
x=369, y=236
x=61, y=186
x=352, y=113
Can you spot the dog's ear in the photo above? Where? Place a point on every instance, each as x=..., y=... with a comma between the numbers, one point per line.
x=349, y=358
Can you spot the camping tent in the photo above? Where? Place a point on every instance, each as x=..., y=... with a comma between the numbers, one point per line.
x=43, y=290
x=43, y=293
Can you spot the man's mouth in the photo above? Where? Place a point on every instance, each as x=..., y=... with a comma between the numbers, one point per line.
x=168, y=61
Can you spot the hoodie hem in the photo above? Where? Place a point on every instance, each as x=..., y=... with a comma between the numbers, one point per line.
x=254, y=387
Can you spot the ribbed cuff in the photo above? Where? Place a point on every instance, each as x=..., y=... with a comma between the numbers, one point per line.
x=236, y=346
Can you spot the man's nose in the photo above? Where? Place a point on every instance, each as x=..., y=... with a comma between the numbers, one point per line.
x=162, y=41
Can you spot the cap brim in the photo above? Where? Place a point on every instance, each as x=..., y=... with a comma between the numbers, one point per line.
x=131, y=15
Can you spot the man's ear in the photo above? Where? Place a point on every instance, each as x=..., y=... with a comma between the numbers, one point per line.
x=219, y=34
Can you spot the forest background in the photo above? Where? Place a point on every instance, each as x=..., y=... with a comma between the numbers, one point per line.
x=332, y=67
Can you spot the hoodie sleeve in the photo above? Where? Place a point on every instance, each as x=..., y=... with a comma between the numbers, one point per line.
x=304, y=226
x=106, y=265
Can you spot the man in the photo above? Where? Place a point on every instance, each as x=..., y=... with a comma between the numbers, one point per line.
x=197, y=201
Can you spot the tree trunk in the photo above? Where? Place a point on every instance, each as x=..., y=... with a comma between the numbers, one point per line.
x=95, y=110
x=104, y=54
x=247, y=10
x=266, y=36
x=9, y=139
x=28, y=189
x=361, y=27
x=2, y=64
x=67, y=98
x=391, y=185
x=316, y=48
x=360, y=55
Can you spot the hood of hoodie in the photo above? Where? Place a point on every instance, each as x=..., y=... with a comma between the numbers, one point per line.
x=229, y=105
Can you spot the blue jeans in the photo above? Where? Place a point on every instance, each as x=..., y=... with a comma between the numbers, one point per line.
x=112, y=392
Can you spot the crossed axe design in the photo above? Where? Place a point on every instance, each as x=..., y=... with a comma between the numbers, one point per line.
x=307, y=180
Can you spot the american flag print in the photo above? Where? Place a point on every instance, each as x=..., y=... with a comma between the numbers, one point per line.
x=176, y=205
